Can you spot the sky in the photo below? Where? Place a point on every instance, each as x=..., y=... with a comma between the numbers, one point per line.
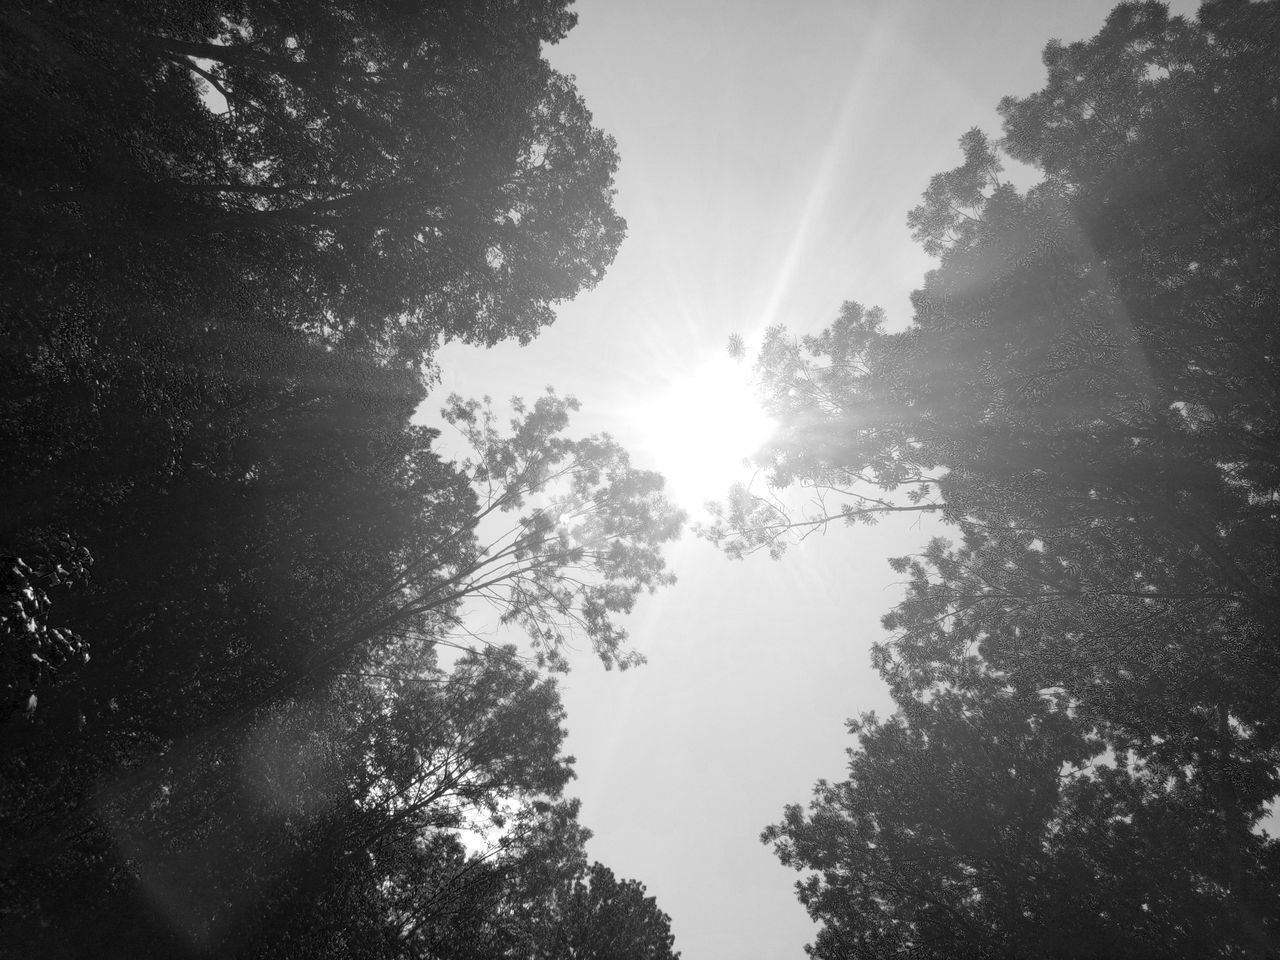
x=770, y=151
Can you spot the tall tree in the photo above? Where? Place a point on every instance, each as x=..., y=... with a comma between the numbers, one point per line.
x=395, y=172
x=332, y=540
x=598, y=917
x=1088, y=391
x=985, y=819
x=235, y=233
x=385, y=177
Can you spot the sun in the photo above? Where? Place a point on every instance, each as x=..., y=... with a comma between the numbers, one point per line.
x=701, y=428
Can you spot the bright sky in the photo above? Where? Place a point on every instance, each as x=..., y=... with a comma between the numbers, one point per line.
x=770, y=152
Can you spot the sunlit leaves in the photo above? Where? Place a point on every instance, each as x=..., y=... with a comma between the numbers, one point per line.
x=586, y=539
x=34, y=648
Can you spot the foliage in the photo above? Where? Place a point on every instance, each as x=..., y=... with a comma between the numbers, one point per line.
x=985, y=820
x=1088, y=392
x=393, y=173
x=330, y=541
x=33, y=649
x=590, y=543
x=599, y=917
x=235, y=234
x=386, y=177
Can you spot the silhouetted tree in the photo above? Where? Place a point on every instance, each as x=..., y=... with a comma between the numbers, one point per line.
x=234, y=235
x=330, y=541
x=386, y=177
x=985, y=819
x=600, y=918
x=393, y=172
x=1088, y=392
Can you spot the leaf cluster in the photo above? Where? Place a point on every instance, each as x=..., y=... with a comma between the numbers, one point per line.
x=1085, y=740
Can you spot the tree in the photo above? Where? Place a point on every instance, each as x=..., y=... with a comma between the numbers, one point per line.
x=590, y=543
x=394, y=173
x=33, y=648
x=572, y=910
x=352, y=798
x=386, y=177
x=1052, y=347
x=1088, y=392
x=984, y=819
x=331, y=540
x=329, y=825
x=600, y=918
x=235, y=234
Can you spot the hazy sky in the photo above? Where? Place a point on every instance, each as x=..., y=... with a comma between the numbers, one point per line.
x=770, y=152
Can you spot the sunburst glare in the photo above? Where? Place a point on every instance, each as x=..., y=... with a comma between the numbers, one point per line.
x=702, y=427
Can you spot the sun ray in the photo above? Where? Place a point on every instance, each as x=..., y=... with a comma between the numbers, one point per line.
x=831, y=161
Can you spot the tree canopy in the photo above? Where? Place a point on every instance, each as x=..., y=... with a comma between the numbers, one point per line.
x=243, y=711
x=1088, y=392
x=376, y=180
x=392, y=173
x=319, y=570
